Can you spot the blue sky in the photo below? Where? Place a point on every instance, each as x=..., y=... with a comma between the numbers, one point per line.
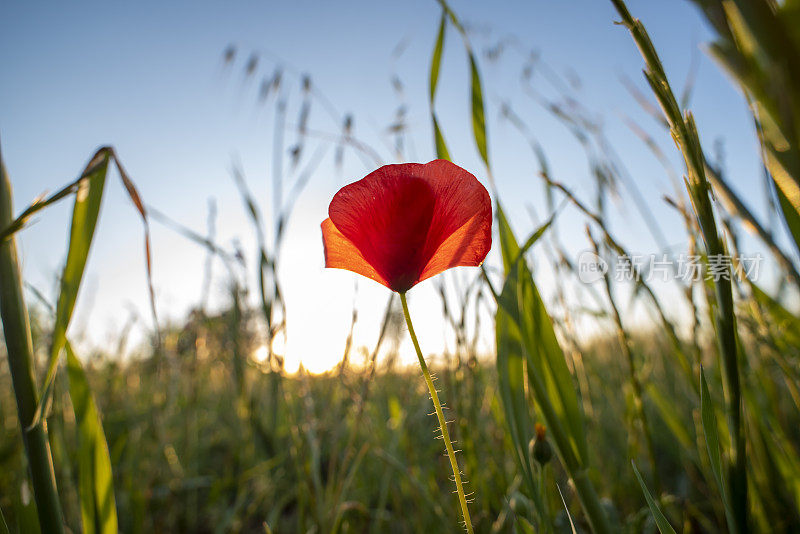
x=148, y=78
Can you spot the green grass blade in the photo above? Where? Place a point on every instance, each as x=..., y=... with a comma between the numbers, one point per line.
x=711, y=431
x=684, y=132
x=42, y=202
x=790, y=215
x=84, y=221
x=436, y=61
x=441, y=145
x=534, y=237
x=25, y=512
x=3, y=524
x=85, y=212
x=19, y=349
x=548, y=375
x=267, y=297
x=781, y=319
x=39, y=204
x=544, y=353
x=478, y=114
x=476, y=89
x=666, y=408
x=756, y=45
x=780, y=464
x=661, y=522
x=511, y=385
x=566, y=509
x=95, y=487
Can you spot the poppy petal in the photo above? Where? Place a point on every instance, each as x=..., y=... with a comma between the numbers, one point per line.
x=387, y=216
x=466, y=247
x=461, y=226
x=341, y=253
x=410, y=221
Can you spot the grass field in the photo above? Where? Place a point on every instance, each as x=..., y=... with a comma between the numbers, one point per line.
x=670, y=428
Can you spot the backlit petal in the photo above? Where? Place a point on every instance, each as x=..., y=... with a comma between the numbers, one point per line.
x=461, y=226
x=411, y=221
x=340, y=253
x=387, y=216
x=466, y=247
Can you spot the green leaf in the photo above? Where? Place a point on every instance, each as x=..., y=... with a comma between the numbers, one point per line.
x=85, y=212
x=511, y=385
x=522, y=317
x=663, y=525
x=511, y=382
x=520, y=298
x=95, y=481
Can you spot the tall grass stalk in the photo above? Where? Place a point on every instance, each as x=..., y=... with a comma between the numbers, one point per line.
x=451, y=454
x=633, y=375
x=684, y=132
x=17, y=332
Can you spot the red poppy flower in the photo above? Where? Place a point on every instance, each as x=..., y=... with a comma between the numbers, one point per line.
x=402, y=224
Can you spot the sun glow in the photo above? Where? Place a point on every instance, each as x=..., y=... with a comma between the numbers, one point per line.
x=261, y=354
x=292, y=359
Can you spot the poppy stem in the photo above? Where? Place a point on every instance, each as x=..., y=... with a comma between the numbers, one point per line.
x=451, y=454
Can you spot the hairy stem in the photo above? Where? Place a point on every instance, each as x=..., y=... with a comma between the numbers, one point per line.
x=451, y=454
